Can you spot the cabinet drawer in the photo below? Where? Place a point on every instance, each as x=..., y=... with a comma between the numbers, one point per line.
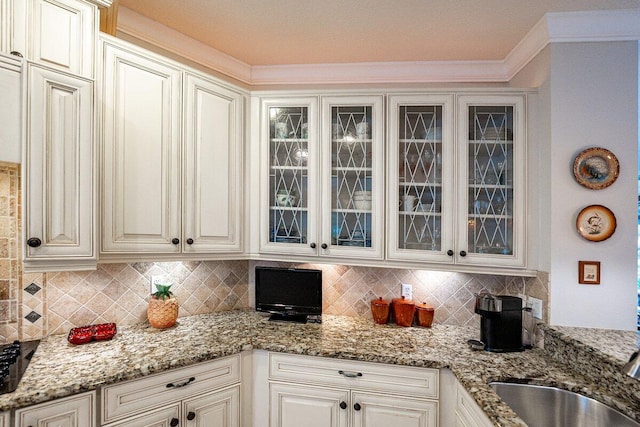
x=405, y=380
x=130, y=397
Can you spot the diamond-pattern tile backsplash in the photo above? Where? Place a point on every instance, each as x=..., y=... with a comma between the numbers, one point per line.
x=38, y=304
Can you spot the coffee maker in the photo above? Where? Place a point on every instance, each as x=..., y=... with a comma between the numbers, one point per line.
x=500, y=322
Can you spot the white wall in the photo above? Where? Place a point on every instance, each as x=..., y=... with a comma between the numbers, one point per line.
x=593, y=102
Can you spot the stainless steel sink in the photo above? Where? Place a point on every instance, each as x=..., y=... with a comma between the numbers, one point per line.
x=541, y=406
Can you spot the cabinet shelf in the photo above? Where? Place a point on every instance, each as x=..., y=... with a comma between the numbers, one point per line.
x=419, y=141
x=490, y=141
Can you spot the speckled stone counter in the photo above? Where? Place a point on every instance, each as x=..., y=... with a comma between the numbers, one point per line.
x=60, y=369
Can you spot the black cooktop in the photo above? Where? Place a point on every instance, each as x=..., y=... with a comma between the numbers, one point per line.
x=14, y=359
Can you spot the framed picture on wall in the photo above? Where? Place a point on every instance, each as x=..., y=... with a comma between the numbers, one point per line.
x=589, y=272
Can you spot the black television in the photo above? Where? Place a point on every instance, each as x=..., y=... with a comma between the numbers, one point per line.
x=289, y=294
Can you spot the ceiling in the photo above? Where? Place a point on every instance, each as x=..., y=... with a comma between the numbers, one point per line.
x=282, y=32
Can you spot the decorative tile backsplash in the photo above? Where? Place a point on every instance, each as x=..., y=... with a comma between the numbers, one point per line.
x=38, y=304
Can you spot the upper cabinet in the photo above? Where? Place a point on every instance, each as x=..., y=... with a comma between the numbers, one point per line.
x=171, y=157
x=322, y=187
x=456, y=197
x=61, y=34
x=59, y=181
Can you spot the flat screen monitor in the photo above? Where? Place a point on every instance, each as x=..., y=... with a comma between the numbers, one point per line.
x=290, y=294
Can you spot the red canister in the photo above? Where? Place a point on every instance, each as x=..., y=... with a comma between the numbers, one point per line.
x=403, y=311
x=380, y=311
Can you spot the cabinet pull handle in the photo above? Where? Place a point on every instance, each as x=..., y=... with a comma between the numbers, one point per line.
x=191, y=415
x=463, y=253
x=189, y=381
x=189, y=241
x=34, y=242
x=174, y=422
x=357, y=407
x=323, y=246
x=349, y=374
x=312, y=245
x=450, y=252
x=343, y=405
x=16, y=53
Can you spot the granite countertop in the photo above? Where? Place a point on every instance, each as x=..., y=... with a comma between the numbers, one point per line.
x=60, y=369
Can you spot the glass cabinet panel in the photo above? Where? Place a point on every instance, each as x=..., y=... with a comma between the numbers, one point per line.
x=288, y=174
x=491, y=183
x=351, y=175
x=419, y=172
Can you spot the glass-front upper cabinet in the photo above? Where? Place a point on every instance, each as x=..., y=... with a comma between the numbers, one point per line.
x=353, y=167
x=290, y=190
x=420, y=177
x=492, y=158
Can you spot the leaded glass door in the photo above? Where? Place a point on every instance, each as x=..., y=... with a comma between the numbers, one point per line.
x=494, y=181
x=290, y=192
x=420, y=162
x=352, y=193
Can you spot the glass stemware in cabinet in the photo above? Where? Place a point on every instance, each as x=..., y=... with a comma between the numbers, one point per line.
x=420, y=177
x=288, y=174
x=351, y=175
x=490, y=179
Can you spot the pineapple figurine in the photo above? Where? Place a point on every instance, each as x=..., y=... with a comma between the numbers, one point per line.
x=163, y=308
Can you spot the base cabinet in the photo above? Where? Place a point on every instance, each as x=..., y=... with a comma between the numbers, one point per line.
x=205, y=394
x=340, y=393
x=468, y=413
x=73, y=411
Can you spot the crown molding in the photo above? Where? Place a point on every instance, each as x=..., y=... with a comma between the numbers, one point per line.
x=588, y=26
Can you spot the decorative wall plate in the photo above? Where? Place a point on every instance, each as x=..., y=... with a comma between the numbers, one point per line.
x=596, y=223
x=596, y=168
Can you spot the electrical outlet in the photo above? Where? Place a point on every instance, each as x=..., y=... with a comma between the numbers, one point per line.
x=155, y=280
x=536, y=307
x=406, y=291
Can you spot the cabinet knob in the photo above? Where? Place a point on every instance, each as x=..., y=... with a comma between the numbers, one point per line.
x=174, y=422
x=357, y=407
x=175, y=240
x=463, y=253
x=189, y=241
x=34, y=242
x=191, y=415
x=343, y=405
x=450, y=252
x=313, y=245
x=324, y=246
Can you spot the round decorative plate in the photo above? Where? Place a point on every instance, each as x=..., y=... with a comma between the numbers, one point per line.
x=596, y=168
x=596, y=223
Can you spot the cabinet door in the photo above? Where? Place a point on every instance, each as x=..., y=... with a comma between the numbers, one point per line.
x=420, y=207
x=289, y=193
x=59, y=163
x=377, y=410
x=163, y=417
x=10, y=109
x=218, y=409
x=492, y=212
x=13, y=18
x=5, y=418
x=318, y=407
x=78, y=410
x=212, y=176
x=140, y=157
x=352, y=174
x=62, y=34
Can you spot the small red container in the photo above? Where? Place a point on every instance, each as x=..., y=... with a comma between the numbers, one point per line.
x=403, y=311
x=380, y=311
x=84, y=334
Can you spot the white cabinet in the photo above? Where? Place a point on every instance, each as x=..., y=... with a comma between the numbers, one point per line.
x=456, y=196
x=5, y=419
x=468, y=413
x=168, y=189
x=333, y=392
x=322, y=186
x=10, y=109
x=77, y=410
x=206, y=392
x=59, y=171
x=60, y=34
